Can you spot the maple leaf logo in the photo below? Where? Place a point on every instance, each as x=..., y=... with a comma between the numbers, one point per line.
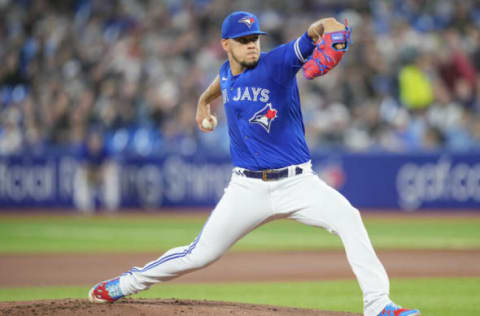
x=264, y=117
x=248, y=21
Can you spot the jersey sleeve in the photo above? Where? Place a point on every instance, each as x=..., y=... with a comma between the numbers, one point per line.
x=223, y=69
x=285, y=60
x=223, y=73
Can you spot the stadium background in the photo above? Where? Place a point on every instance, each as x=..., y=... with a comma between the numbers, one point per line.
x=395, y=127
x=132, y=71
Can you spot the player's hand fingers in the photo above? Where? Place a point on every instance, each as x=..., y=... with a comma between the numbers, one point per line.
x=332, y=25
x=202, y=113
x=205, y=130
x=210, y=123
x=207, y=123
x=315, y=31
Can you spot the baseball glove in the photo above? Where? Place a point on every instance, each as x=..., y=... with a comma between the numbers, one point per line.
x=329, y=49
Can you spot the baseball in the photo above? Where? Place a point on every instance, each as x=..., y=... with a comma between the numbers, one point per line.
x=207, y=124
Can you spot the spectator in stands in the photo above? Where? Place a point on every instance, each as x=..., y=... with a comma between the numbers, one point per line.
x=415, y=85
x=96, y=180
x=132, y=67
x=10, y=135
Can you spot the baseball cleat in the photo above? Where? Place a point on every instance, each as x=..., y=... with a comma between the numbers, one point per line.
x=395, y=310
x=106, y=292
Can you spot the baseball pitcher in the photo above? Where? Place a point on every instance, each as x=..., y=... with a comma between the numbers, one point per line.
x=272, y=175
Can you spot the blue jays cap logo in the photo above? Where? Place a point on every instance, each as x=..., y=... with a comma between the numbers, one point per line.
x=264, y=117
x=247, y=20
x=240, y=23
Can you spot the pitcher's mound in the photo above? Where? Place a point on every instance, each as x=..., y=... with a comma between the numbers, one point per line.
x=141, y=307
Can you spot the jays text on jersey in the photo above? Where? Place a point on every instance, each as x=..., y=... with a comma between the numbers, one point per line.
x=263, y=111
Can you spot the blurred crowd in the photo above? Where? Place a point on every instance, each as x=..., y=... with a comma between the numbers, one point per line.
x=134, y=69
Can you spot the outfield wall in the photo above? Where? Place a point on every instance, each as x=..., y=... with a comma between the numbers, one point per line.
x=376, y=181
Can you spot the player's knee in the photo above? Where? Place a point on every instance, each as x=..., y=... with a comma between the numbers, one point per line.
x=201, y=259
x=355, y=213
x=352, y=216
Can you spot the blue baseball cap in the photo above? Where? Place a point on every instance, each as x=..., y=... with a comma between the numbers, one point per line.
x=240, y=23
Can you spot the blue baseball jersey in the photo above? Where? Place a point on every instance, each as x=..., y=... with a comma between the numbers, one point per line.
x=263, y=111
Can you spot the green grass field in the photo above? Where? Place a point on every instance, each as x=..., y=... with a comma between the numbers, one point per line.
x=150, y=233
x=434, y=296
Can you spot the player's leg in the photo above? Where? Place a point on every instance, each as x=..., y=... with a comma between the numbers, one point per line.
x=313, y=202
x=241, y=209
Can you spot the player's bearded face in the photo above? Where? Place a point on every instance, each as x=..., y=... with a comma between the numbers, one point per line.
x=246, y=50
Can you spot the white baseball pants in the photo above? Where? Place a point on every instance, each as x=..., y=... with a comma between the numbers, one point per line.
x=249, y=203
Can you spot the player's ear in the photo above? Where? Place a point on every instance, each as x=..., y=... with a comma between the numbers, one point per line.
x=225, y=44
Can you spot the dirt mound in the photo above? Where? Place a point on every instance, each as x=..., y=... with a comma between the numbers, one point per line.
x=141, y=307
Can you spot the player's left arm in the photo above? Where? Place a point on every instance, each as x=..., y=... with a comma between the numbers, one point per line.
x=326, y=25
x=288, y=58
x=330, y=47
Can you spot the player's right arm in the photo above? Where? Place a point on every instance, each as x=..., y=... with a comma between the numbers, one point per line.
x=206, y=98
